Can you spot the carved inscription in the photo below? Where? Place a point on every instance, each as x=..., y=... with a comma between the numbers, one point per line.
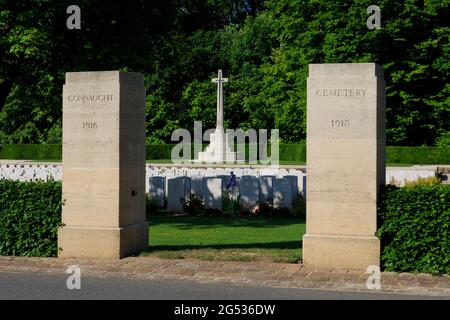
x=90, y=125
x=340, y=123
x=83, y=98
x=341, y=92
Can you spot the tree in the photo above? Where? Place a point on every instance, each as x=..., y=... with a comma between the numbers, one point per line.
x=264, y=49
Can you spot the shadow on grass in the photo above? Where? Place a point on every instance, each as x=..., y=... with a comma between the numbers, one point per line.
x=269, y=245
x=205, y=222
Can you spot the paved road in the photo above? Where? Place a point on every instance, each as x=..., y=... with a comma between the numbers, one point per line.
x=40, y=286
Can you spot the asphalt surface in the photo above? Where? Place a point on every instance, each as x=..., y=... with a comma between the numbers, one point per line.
x=51, y=287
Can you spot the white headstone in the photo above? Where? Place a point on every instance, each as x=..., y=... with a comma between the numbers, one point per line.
x=156, y=190
x=266, y=188
x=282, y=193
x=249, y=190
x=198, y=186
x=213, y=193
x=177, y=191
x=304, y=184
x=225, y=181
x=293, y=182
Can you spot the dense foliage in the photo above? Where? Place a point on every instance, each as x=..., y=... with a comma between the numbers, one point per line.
x=30, y=213
x=264, y=49
x=415, y=229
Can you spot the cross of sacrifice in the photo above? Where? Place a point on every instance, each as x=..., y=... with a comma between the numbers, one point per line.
x=219, y=80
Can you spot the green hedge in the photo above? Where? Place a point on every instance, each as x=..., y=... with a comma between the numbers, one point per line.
x=30, y=213
x=158, y=151
x=288, y=152
x=31, y=151
x=415, y=229
x=418, y=155
x=293, y=152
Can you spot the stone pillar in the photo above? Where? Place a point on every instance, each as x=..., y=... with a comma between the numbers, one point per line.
x=103, y=165
x=345, y=164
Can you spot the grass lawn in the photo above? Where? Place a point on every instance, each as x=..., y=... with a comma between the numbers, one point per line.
x=226, y=238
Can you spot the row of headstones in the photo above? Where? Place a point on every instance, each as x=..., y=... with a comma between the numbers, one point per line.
x=30, y=172
x=281, y=191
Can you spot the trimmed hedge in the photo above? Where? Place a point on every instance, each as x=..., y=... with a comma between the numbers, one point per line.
x=415, y=229
x=293, y=152
x=418, y=155
x=31, y=151
x=158, y=151
x=30, y=214
x=288, y=152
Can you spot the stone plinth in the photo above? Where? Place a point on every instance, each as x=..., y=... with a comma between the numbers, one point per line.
x=345, y=164
x=103, y=165
x=219, y=150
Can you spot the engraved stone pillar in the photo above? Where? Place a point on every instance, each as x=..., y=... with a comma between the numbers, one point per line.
x=103, y=165
x=345, y=164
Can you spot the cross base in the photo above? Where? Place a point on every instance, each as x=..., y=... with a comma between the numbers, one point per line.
x=219, y=150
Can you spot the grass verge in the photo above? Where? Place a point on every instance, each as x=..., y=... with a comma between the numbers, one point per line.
x=226, y=238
